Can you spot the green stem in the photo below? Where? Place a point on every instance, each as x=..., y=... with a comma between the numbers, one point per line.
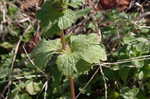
x=72, y=88
x=63, y=40
x=71, y=79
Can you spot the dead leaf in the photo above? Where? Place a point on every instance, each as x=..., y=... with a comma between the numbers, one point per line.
x=118, y=4
x=30, y=44
x=30, y=4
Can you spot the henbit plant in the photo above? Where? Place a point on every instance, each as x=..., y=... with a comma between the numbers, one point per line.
x=76, y=54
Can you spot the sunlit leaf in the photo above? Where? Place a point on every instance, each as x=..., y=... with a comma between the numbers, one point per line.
x=67, y=20
x=88, y=48
x=128, y=93
x=67, y=63
x=33, y=88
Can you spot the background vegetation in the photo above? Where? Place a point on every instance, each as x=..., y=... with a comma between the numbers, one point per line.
x=44, y=45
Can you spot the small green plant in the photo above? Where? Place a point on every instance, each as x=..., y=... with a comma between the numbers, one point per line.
x=76, y=54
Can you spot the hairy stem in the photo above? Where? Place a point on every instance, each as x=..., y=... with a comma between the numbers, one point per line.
x=72, y=88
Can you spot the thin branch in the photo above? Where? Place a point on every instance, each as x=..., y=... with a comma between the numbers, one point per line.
x=88, y=82
x=24, y=78
x=146, y=27
x=15, y=53
x=45, y=87
x=139, y=58
x=143, y=15
x=104, y=79
x=4, y=12
x=28, y=77
x=24, y=20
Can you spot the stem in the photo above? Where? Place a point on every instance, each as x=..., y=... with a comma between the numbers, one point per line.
x=72, y=88
x=63, y=40
x=71, y=80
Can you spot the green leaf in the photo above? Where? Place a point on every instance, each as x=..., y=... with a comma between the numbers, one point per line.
x=82, y=12
x=72, y=65
x=4, y=72
x=32, y=87
x=5, y=62
x=44, y=51
x=87, y=39
x=67, y=63
x=25, y=96
x=50, y=32
x=49, y=12
x=128, y=93
x=83, y=67
x=93, y=54
x=146, y=71
x=41, y=60
x=67, y=20
x=12, y=10
x=76, y=3
x=91, y=26
x=49, y=15
x=70, y=17
x=88, y=48
x=140, y=75
x=84, y=51
x=124, y=72
x=115, y=95
x=21, y=96
x=47, y=46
